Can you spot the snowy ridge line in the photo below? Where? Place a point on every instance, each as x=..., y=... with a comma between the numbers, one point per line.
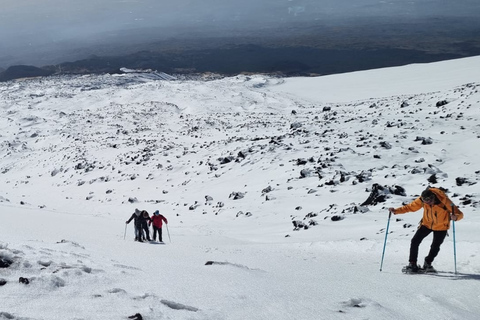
x=148, y=74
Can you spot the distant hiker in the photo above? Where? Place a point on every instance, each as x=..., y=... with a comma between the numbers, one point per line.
x=145, y=223
x=157, y=221
x=437, y=213
x=137, y=217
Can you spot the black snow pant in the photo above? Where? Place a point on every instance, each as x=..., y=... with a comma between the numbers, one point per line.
x=138, y=232
x=155, y=229
x=147, y=231
x=422, y=232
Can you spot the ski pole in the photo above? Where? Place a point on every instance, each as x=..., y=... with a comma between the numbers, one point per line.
x=454, y=245
x=385, y=242
x=168, y=232
x=125, y=233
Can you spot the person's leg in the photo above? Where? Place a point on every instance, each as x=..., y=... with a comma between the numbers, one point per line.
x=421, y=233
x=154, y=233
x=139, y=233
x=438, y=237
x=160, y=234
x=147, y=232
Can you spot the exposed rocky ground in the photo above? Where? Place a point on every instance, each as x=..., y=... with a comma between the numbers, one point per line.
x=234, y=123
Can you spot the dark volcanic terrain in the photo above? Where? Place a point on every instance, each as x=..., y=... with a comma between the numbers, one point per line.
x=292, y=49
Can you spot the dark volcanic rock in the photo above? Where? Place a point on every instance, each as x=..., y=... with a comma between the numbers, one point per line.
x=5, y=262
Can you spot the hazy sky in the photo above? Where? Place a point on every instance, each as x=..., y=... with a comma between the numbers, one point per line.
x=27, y=24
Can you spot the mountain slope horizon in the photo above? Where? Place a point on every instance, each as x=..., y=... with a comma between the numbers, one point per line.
x=291, y=47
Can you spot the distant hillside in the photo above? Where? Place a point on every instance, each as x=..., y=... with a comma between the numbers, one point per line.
x=290, y=61
x=287, y=61
x=291, y=49
x=17, y=72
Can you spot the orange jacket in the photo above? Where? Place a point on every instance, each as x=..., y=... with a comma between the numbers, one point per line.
x=437, y=216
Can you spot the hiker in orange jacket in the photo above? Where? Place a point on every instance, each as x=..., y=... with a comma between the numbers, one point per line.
x=438, y=210
x=157, y=221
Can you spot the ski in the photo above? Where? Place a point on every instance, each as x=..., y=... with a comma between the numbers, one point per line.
x=442, y=274
x=420, y=271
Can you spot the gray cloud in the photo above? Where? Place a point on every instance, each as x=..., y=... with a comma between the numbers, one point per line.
x=30, y=27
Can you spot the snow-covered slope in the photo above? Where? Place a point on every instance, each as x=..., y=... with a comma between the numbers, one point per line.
x=378, y=83
x=255, y=174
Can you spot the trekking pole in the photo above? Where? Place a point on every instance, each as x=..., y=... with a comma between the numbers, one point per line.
x=454, y=245
x=168, y=232
x=385, y=242
x=125, y=233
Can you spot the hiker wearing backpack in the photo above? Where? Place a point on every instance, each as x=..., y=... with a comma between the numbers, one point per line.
x=157, y=221
x=138, y=218
x=438, y=210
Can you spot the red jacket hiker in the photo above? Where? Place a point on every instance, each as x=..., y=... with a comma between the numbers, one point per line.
x=157, y=220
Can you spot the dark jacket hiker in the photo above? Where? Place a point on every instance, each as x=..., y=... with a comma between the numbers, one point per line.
x=139, y=222
x=145, y=223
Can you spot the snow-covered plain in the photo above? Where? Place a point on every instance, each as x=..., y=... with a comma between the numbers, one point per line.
x=235, y=164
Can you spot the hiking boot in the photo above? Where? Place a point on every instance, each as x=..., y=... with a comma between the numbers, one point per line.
x=412, y=267
x=428, y=267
